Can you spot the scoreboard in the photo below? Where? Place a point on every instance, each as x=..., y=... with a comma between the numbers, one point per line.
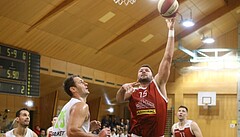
x=19, y=71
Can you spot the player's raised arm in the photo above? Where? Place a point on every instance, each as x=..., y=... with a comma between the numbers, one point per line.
x=165, y=65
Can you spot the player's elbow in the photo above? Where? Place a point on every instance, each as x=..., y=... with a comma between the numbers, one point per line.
x=72, y=132
x=120, y=95
x=119, y=99
x=168, y=57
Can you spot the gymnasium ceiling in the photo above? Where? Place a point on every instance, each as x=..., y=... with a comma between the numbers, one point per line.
x=71, y=30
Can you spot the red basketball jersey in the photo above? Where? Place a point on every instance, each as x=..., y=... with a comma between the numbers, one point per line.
x=148, y=109
x=185, y=131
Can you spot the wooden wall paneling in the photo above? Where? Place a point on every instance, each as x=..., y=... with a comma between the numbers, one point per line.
x=122, y=80
x=87, y=74
x=62, y=69
x=19, y=102
x=47, y=109
x=3, y=106
x=99, y=77
x=59, y=68
x=60, y=105
x=73, y=69
x=3, y=102
x=36, y=112
x=103, y=109
x=45, y=64
x=110, y=79
x=11, y=103
x=170, y=101
x=94, y=108
x=211, y=80
x=55, y=103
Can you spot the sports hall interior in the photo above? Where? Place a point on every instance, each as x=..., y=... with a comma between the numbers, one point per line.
x=106, y=43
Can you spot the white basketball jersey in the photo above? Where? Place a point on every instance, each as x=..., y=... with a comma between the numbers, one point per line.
x=60, y=127
x=28, y=134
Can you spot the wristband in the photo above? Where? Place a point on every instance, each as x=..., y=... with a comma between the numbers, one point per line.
x=170, y=33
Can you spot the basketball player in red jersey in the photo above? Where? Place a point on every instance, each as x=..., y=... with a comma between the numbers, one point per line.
x=148, y=97
x=185, y=128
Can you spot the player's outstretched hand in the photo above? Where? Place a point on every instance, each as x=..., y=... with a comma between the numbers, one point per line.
x=170, y=23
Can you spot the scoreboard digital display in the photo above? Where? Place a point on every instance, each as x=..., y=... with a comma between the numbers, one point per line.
x=19, y=71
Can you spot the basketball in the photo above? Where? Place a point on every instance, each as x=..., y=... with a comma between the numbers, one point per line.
x=168, y=8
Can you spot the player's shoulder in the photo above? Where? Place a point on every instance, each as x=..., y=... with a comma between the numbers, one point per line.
x=50, y=128
x=9, y=133
x=193, y=123
x=175, y=125
x=190, y=121
x=80, y=105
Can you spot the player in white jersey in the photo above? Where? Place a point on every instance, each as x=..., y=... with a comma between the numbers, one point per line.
x=49, y=130
x=74, y=118
x=22, y=130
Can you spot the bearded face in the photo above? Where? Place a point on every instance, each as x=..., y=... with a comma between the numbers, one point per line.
x=144, y=80
x=144, y=75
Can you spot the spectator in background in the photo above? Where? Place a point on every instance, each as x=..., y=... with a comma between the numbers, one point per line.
x=127, y=125
x=37, y=130
x=42, y=133
x=122, y=122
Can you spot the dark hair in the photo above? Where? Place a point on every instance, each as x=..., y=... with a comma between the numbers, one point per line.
x=69, y=82
x=183, y=107
x=148, y=66
x=19, y=111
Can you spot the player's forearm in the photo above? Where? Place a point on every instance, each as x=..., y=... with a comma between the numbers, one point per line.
x=168, y=54
x=165, y=65
x=79, y=133
x=170, y=46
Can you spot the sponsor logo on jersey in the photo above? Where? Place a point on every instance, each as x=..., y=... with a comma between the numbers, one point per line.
x=146, y=111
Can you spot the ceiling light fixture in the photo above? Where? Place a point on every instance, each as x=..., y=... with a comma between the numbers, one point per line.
x=107, y=17
x=208, y=39
x=187, y=22
x=147, y=38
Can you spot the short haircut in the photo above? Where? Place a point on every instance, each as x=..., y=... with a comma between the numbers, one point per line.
x=69, y=82
x=183, y=107
x=19, y=111
x=148, y=66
